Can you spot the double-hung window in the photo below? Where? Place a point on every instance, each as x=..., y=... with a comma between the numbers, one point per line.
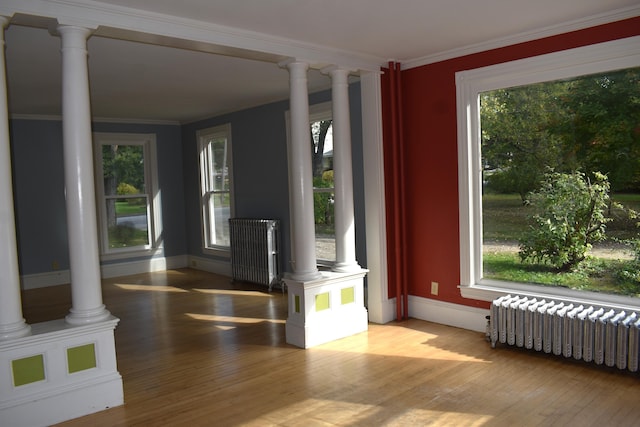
x=216, y=178
x=128, y=203
x=510, y=144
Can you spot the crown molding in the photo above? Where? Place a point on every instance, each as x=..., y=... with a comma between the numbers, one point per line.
x=580, y=24
x=123, y=22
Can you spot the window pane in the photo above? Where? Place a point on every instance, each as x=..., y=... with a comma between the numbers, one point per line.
x=128, y=223
x=323, y=197
x=123, y=167
x=576, y=129
x=219, y=168
x=219, y=212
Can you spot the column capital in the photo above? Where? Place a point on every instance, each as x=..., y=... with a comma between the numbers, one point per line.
x=4, y=21
x=336, y=70
x=293, y=62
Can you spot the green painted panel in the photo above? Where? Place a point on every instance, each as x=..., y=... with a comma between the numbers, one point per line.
x=28, y=370
x=347, y=296
x=297, y=303
x=81, y=358
x=322, y=301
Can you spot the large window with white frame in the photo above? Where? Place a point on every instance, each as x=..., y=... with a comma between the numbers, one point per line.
x=510, y=121
x=216, y=186
x=128, y=201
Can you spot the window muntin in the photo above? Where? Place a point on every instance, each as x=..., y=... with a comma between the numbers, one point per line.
x=471, y=84
x=214, y=148
x=127, y=209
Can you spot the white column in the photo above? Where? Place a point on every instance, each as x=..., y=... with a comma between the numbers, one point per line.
x=300, y=177
x=343, y=173
x=86, y=290
x=12, y=324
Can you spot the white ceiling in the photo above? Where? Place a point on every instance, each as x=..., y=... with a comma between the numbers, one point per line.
x=143, y=81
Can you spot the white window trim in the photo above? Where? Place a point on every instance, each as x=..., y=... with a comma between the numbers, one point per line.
x=598, y=58
x=154, y=209
x=221, y=130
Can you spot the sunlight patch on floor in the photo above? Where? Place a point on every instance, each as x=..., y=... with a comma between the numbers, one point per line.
x=233, y=292
x=161, y=288
x=232, y=319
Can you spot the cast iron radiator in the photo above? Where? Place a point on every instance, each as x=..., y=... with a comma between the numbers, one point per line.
x=591, y=333
x=254, y=250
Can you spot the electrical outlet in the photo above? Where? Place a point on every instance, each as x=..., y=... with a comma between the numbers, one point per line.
x=434, y=288
x=55, y=265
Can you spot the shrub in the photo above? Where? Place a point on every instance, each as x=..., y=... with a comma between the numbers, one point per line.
x=124, y=188
x=569, y=215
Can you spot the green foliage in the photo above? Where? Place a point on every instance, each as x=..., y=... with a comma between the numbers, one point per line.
x=124, y=188
x=323, y=201
x=569, y=216
x=590, y=123
x=619, y=277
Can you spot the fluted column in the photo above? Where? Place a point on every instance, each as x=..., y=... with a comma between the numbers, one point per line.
x=343, y=173
x=300, y=176
x=12, y=324
x=86, y=290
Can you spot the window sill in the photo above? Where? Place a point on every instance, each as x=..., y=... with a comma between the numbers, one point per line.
x=133, y=253
x=488, y=290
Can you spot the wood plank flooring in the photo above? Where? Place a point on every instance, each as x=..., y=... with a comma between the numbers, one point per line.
x=197, y=350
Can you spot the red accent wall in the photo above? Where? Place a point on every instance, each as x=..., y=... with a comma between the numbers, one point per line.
x=429, y=150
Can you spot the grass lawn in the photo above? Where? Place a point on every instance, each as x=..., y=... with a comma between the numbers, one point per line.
x=505, y=217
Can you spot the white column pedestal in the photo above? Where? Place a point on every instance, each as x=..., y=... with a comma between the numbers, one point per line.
x=325, y=309
x=58, y=373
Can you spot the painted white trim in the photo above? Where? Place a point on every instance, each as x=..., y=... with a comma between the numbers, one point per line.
x=61, y=395
x=446, y=313
x=62, y=277
x=598, y=58
x=151, y=27
x=380, y=308
x=114, y=120
x=566, y=27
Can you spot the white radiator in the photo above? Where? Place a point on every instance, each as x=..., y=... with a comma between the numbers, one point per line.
x=254, y=250
x=593, y=334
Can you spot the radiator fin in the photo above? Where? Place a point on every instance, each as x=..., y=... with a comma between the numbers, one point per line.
x=254, y=250
x=602, y=335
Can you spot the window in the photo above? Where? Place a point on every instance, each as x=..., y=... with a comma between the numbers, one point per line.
x=321, y=130
x=214, y=148
x=128, y=204
x=472, y=86
x=323, y=184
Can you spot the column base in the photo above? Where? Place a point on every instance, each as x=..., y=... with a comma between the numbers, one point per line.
x=59, y=373
x=84, y=317
x=326, y=309
x=15, y=330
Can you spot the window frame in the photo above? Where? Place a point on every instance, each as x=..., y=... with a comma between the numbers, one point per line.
x=592, y=59
x=202, y=135
x=154, y=225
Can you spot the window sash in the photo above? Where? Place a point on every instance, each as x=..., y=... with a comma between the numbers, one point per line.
x=215, y=185
x=599, y=58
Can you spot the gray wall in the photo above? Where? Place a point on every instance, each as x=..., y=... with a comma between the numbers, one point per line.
x=38, y=180
x=260, y=176
x=260, y=180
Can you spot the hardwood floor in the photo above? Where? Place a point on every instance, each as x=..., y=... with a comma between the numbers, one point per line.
x=197, y=350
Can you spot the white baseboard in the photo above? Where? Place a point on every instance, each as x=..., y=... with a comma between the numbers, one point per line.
x=210, y=265
x=460, y=316
x=61, y=277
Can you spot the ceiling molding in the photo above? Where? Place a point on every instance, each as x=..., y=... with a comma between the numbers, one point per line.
x=97, y=15
x=605, y=18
